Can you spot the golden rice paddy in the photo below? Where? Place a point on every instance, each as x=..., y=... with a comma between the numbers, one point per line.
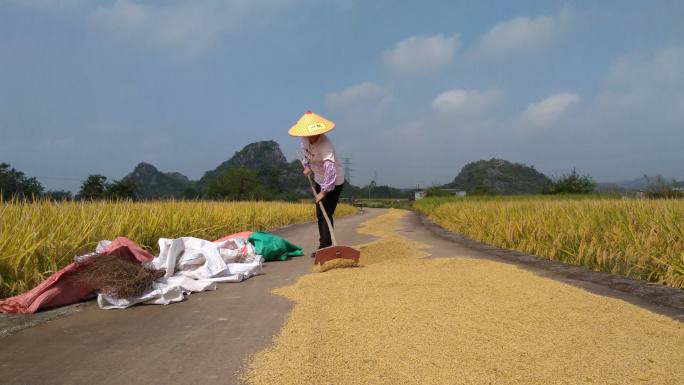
x=39, y=238
x=638, y=238
x=402, y=319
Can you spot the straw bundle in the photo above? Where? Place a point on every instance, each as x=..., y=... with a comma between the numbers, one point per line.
x=115, y=276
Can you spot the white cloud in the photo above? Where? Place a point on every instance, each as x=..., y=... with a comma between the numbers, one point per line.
x=189, y=28
x=366, y=93
x=465, y=101
x=122, y=14
x=361, y=110
x=47, y=3
x=645, y=83
x=418, y=54
x=645, y=89
x=669, y=64
x=522, y=34
x=549, y=110
x=664, y=69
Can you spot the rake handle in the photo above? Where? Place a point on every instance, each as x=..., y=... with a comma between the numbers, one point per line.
x=325, y=215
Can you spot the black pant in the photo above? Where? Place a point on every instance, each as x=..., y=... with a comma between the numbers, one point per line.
x=329, y=204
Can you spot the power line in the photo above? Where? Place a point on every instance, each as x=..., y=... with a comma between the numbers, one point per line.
x=347, y=169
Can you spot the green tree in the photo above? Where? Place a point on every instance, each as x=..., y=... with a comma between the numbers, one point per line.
x=236, y=184
x=191, y=193
x=435, y=191
x=14, y=183
x=93, y=188
x=122, y=189
x=479, y=190
x=572, y=183
x=96, y=187
x=660, y=187
x=58, y=195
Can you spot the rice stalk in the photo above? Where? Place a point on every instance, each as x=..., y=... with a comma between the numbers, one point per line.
x=642, y=239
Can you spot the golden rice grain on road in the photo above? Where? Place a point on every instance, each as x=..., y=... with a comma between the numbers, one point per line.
x=338, y=263
x=462, y=321
x=383, y=225
x=389, y=245
x=389, y=248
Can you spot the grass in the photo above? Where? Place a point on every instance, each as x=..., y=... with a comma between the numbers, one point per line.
x=38, y=238
x=642, y=239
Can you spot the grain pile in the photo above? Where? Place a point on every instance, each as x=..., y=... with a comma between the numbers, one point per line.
x=462, y=321
x=338, y=263
x=390, y=245
x=389, y=248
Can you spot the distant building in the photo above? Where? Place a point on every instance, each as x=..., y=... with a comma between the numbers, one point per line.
x=455, y=192
x=420, y=194
x=674, y=192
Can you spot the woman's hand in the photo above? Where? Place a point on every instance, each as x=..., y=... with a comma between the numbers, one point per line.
x=307, y=171
x=320, y=196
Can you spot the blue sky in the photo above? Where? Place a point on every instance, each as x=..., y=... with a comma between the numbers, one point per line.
x=417, y=89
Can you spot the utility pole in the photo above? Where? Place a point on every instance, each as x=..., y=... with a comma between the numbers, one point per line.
x=347, y=169
x=373, y=183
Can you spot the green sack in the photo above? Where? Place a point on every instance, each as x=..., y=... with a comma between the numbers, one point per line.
x=273, y=247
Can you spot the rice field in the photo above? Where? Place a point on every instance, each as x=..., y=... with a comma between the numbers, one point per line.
x=637, y=238
x=38, y=238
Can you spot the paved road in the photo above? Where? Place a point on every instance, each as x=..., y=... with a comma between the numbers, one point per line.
x=201, y=340
x=205, y=338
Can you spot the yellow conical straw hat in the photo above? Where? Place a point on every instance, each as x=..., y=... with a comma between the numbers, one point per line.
x=311, y=124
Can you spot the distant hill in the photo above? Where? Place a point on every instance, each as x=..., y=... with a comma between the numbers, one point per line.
x=151, y=183
x=253, y=156
x=283, y=179
x=498, y=176
x=642, y=183
x=634, y=184
x=372, y=191
x=645, y=182
x=272, y=169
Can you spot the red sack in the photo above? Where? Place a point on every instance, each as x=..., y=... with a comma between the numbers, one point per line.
x=243, y=234
x=61, y=287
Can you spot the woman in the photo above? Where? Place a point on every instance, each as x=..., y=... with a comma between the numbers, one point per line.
x=321, y=159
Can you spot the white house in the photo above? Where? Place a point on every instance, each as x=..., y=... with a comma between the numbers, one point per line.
x=420, y=194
